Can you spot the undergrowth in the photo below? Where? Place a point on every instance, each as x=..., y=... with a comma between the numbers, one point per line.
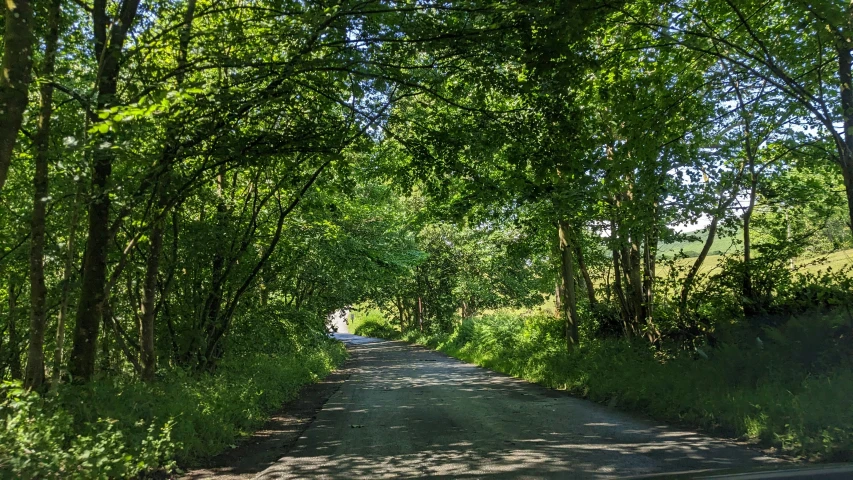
x=371, y=323
x=116, y=428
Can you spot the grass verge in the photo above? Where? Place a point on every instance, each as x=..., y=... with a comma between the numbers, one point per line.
x=118, y=428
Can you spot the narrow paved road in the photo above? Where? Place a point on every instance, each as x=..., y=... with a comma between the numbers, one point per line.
x=410, y=412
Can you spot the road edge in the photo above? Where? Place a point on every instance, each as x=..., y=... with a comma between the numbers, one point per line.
x=278, y=435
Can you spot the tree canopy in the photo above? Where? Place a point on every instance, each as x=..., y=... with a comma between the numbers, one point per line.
x=181, y=181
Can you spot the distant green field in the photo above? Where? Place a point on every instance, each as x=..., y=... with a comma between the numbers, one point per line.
x=836, y=260
x=730, y=244
x=692, y=248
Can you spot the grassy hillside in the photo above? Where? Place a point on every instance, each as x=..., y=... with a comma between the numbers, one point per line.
x=834, y=260
x=692, y=247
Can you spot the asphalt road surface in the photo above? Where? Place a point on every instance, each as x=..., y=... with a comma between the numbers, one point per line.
x=409, y=412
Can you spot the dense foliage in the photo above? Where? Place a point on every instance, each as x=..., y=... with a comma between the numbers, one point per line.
x=113, y=428
x=189, y=187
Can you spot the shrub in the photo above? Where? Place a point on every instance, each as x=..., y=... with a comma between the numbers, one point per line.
x=116, y=428
x=41, y=440
x=371, y=328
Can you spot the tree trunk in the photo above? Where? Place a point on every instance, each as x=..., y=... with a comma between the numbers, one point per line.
x=214, y=350
x=631, y=283
x=146, y=327
x=697, y=264
x=649, y=273
x=89, y=307
x=618, y=290
x=635, y=277
x=420, y=314
x=587, y=279
x=14, y=353
x=152, y=268
x=402, y=311
x=570, y=314
x=34, y=376
x=845, y=64
x=65, y=296
x=108, y=50
x=748, y=293
x=163, y=303
x=15, y=78
x=213, y=304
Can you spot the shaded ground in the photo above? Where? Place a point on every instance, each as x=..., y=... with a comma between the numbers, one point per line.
x=282, y=430
x=411, y=412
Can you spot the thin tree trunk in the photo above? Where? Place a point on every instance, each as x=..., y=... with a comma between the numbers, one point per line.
x=213, y=304
x=558, y=294
x=400, y=309
x=34, y=375
x=108, y=50
x=147, y=321
x=89, y=308
x=617, y=283
x=211, y=353
x=14, y=353
x=846, y=149
x=65, y=296
x=632, y=280
x=649, y=275
x=697, y=264
x=845, y=65
x=558, y=301
x=748, y=293
x=15, y=77
x=146, y=327
x=632, y=262
x=722, y=205
x=587, y=279
x=648, y=281
x=163, y=303
x=420, y=314
x=748, y=302
x=635, y=276
x=629, y=284
x=570, y=314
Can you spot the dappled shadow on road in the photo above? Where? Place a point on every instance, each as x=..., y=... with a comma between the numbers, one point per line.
x=545, y=460
x=410, y=412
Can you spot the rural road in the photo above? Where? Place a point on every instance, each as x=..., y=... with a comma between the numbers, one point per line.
x=409, y=412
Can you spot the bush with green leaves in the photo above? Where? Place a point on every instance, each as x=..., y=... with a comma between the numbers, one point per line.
x=116, y=428
x=377, y=330
x=777, y=290
x=42, y=439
